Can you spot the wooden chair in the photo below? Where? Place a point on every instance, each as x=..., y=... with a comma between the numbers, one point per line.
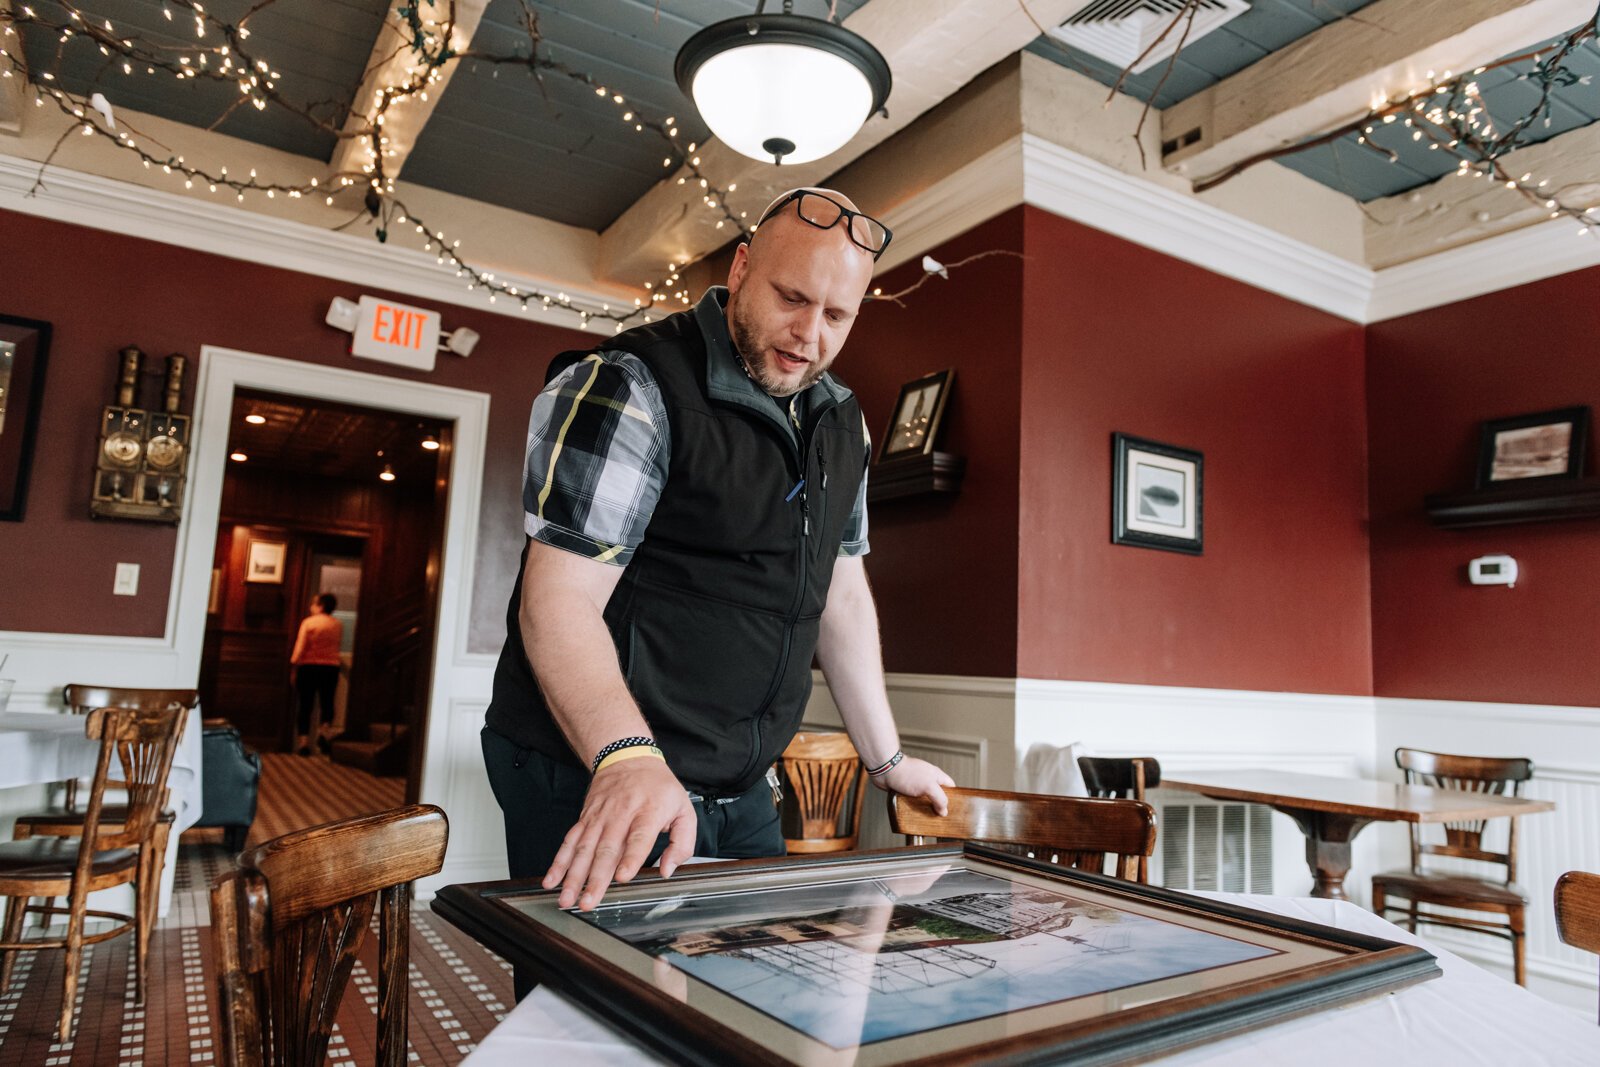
x=67, y=821
x=828, y=783
x=1127, y=778
x=1578, y=910
x=287, y=926
x=143, y=743
x=81, y=699
x=1419, y=887
x=1076, y=832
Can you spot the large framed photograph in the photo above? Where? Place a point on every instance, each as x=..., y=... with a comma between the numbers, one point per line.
x=918, y=410
x=264, y=563
x=1156, y=495
x=24, y=354
x=937, y=955
x=1548, y=444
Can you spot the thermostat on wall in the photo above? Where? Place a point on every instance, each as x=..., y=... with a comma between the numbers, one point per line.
x=1493, y=570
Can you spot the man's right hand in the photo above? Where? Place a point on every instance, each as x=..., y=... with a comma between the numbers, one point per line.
x=629, y=804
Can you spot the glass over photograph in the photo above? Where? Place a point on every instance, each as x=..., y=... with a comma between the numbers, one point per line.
x=858, y=962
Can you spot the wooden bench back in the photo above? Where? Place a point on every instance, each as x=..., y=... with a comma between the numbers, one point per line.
x=287, y=926
x=828, y=784
x=1078, y=832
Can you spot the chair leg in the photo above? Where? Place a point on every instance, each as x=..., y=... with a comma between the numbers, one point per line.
x=1411, y=917
x=69, y=986
x=147, y=892
x=1379, y=901
x=16, y=907
x=1519, y=946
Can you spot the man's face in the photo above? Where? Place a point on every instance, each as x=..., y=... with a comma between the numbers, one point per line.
x=793, y=299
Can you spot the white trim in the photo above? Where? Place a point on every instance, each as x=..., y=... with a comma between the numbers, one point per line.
x=356, y=260
x=1488, y=711
x=1490, y=265
x=222, y=372
x=1076, y=187
x=974, y=193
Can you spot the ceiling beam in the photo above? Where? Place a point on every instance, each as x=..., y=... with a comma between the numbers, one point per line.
x=933, y=47
x=12, y=97
x=1335, y=75
x=390, y=64
x=1454, y=211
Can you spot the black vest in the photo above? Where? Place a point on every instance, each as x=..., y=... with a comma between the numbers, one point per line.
x=715, y=619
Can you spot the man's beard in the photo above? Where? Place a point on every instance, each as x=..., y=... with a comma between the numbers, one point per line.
x=753, y=355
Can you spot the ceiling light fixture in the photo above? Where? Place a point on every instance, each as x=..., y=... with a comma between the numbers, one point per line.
x=255, y=420
x=789, y=88
x=387, y=474
x=238, y=457
x=431, y=443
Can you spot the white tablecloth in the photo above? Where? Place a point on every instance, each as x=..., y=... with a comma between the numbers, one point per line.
x=37, y=748
x=1465, y=1017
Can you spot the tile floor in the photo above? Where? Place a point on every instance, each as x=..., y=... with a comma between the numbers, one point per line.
x=459, y=990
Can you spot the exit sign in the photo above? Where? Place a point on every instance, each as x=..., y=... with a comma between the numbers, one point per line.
x=396, y=333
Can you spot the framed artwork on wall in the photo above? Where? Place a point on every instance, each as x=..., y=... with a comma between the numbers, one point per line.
x=1156, y=495
x=1547, y=444
x=948, y=954
x=264, y=564
x=24, y=354
x=914, y=424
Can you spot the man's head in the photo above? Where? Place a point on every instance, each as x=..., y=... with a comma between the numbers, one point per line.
x=793, y=293
x=327, y=603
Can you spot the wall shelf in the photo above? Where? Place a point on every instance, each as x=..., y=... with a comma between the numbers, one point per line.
x=937, y=472
x=1543, y=501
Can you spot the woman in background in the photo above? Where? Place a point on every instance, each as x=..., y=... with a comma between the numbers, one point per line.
x=316, y=665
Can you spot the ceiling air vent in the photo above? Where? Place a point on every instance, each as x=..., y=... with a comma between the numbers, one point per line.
x=1119, y=31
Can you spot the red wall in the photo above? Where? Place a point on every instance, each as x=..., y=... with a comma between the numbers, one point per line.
x=1117, y=337
x=944, y=568
x=1434, y=377
x=101, y=292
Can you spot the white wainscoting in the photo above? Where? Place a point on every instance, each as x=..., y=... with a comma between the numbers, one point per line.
x=1564, y=744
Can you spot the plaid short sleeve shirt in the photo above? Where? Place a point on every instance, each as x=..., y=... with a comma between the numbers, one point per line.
x=598, y=450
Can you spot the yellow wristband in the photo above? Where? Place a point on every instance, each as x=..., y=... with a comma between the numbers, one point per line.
x=633, y=752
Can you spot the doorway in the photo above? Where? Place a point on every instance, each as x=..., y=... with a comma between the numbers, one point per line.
x=323, y=498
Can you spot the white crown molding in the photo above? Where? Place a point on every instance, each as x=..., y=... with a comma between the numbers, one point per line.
x=973, y=193
x=1490, y=265
x=1074, y=186
x=136, y=211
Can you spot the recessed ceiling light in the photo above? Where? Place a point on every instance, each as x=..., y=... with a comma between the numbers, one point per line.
x=238, y=457
x=255, y=420
x=431, y=443
x=387, y=474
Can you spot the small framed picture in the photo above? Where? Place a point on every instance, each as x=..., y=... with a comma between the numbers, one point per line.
x=914, y=426
x=264, y=564
x=1156, y=495
x=1548, y=444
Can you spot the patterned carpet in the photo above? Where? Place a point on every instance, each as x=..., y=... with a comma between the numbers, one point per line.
x=459, y=991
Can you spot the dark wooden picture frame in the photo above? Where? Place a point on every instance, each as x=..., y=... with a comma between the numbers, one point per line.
x=914, y=420
x=24, y=358
x=1528, y=448
x=1157, y=495
x=1296, y=967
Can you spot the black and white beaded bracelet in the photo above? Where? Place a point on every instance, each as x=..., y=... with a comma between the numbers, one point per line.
x=617, y=746
x=889, y=765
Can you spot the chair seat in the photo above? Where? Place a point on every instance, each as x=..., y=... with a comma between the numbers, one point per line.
x=1449, y=889
x=110, y=815
x=53, y=858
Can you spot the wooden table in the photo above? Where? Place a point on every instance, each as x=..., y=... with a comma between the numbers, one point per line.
x=1331, y=811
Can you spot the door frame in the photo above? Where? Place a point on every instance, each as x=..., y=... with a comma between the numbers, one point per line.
x=223, y=371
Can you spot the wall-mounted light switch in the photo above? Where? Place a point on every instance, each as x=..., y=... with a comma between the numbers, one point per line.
x=127, y=583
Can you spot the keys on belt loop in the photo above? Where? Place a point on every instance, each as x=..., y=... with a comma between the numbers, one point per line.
x=777, y=786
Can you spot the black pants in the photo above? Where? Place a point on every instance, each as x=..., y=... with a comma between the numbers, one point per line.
x=542, y=799
x=315, y=682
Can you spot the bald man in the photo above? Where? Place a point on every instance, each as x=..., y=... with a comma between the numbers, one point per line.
x=695, y=499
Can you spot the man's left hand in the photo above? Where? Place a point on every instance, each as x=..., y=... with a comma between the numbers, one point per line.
x=912, y=777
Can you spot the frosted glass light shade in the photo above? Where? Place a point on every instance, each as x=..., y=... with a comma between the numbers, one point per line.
x=784, y=88
x=764, y=92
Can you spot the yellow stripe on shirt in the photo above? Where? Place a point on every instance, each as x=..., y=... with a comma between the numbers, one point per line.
x=561, y=435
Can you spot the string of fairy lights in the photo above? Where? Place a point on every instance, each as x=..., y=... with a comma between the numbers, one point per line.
x=220, y=53
x=1449, y=115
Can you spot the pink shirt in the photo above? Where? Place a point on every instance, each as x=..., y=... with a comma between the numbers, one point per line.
x=317, y=644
